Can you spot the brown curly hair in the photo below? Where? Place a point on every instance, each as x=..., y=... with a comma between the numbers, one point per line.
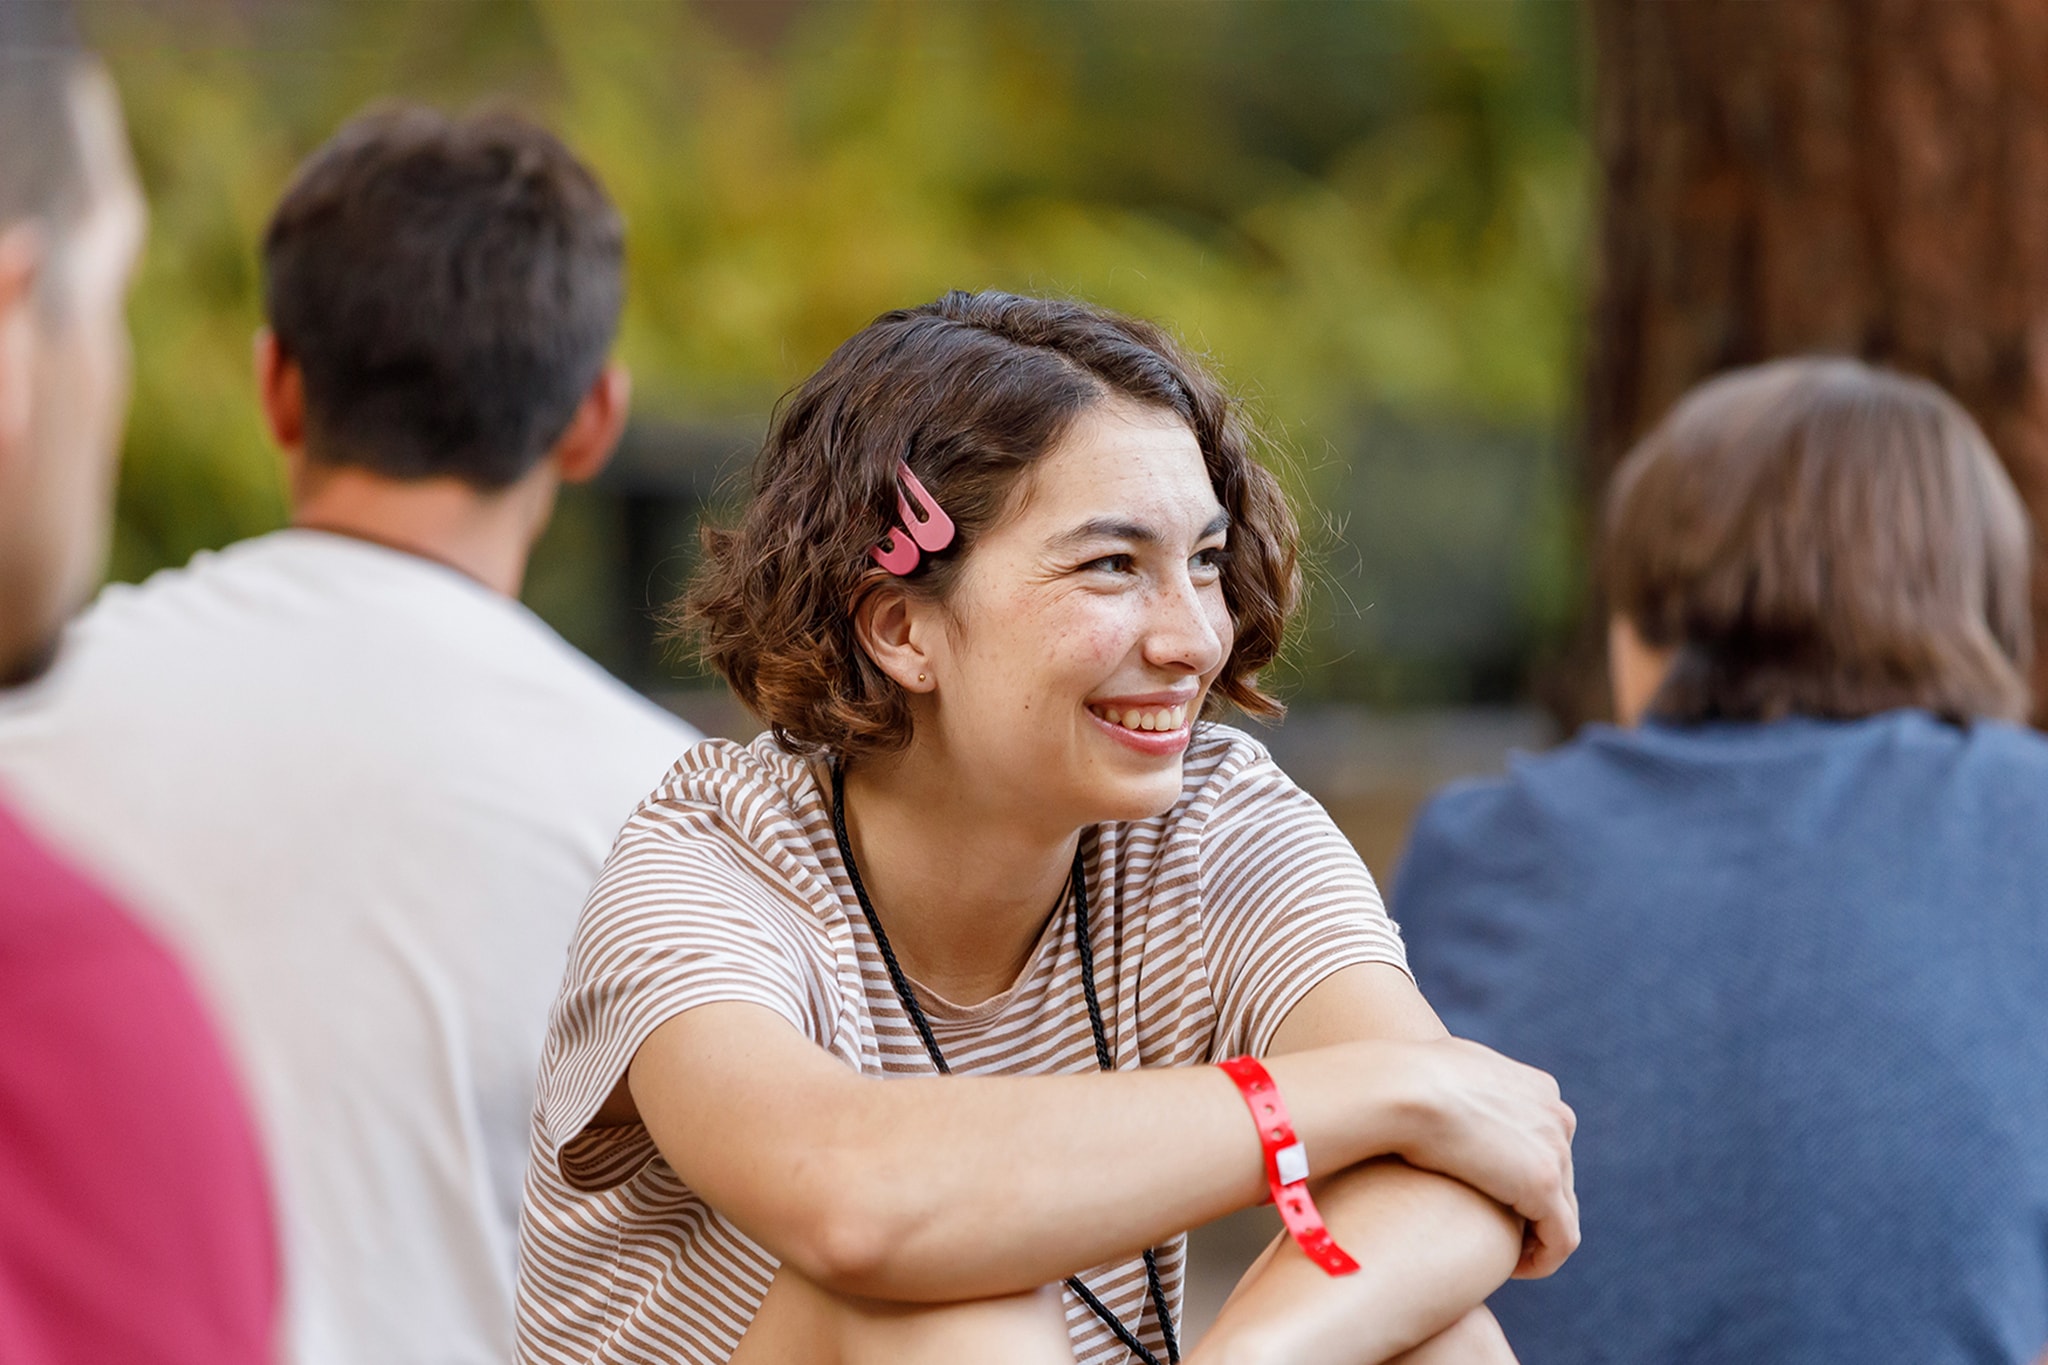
x=970, y=390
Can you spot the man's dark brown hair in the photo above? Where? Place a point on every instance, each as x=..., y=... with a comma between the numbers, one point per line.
x=449, y=287
x=1818, y=537
x=971, y=390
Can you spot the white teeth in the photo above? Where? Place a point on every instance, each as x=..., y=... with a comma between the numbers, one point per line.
x=1168, y=718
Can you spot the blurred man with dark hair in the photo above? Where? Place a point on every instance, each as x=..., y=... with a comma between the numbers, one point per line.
x=134, y=1213
x=362, y=786
x=1782, y=937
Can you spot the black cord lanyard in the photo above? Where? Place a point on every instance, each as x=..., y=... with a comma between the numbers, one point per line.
x=1077, y=883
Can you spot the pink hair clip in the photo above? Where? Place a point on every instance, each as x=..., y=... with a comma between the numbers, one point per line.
x=930, y=532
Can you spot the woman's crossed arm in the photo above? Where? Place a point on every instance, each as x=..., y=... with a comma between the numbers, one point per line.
x=944, y=1189
x=1431, y=1250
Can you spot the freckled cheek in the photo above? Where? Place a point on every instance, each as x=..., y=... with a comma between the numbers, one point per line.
x=1100, y=640
x=1100, y=649
x=1038, y=657
x=1069, y=633
x=1072, y=657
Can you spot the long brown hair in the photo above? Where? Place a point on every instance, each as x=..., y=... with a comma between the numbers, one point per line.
x=1819, y=537
x=971, y=390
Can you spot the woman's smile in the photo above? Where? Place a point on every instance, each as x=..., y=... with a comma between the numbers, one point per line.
x=1158, y=724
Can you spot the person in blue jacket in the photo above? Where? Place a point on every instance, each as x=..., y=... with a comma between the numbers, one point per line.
x=1782, y=936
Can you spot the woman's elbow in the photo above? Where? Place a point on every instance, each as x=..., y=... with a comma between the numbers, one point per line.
x=846, y=1251
x=846, y=1234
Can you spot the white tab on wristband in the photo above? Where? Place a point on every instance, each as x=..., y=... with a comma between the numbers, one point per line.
x=1291, y=1163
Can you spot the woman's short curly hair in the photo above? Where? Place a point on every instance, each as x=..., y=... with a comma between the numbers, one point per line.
x=971, y=390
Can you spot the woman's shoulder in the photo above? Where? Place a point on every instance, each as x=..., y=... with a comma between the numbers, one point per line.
x=1616, y=780
x=1219, y=760
x=1999, y=765
x=753, y=805
x=1232, y=794
x=1996, y=741
x=748, y=783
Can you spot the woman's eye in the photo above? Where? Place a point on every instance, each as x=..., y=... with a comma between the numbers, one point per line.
x=1212, y=560
x=1110, y=564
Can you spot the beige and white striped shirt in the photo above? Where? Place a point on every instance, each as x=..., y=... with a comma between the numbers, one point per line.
x=1208, y=924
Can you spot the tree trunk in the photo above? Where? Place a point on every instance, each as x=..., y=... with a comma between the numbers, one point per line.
x=1858, y=177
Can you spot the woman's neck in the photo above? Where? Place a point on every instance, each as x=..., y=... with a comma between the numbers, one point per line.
x=962, y=893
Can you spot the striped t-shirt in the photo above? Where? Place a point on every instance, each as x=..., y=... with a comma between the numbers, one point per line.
x=1208, y=924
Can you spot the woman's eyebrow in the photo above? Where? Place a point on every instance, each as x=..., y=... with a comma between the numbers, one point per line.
x=1105, y=528
x=1136, y=532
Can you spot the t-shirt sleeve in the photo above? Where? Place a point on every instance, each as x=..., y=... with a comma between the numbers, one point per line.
x=135, y=1214
x=1286, y=902
x=678, y=919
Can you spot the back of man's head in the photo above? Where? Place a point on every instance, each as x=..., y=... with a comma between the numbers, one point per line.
x=449, y=289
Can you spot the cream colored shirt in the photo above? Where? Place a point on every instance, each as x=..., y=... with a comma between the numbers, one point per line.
x=365, y=797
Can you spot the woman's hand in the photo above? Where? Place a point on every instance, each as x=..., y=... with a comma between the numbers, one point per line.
x=1437, y=1225
x=1498, y=1126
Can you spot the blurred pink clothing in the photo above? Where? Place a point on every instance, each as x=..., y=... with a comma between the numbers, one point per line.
x=135, y=1221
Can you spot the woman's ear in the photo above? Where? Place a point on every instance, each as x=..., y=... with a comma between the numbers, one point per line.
x=891, y=626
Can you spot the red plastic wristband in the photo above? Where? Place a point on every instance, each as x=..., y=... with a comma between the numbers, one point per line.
x=1286, y=1165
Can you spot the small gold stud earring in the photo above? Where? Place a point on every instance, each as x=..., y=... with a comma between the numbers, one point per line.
x=920, y=677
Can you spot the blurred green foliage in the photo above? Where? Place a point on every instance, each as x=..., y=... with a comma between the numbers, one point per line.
x=1371, y=215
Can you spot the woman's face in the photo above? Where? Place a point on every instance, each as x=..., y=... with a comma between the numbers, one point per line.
x=1085, y=628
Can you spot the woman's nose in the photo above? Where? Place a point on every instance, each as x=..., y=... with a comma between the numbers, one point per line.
x=1183, y=631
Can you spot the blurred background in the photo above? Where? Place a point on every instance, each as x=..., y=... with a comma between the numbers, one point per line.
x=1373, y=217
x=1455, y=254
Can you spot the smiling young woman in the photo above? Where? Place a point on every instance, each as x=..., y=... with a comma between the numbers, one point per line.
x=881, y=1029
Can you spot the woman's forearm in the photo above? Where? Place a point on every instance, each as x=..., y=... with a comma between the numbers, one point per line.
x=939, y=1189
x=1430, y=1251
x=934, y=1189
x=1016, y=1181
